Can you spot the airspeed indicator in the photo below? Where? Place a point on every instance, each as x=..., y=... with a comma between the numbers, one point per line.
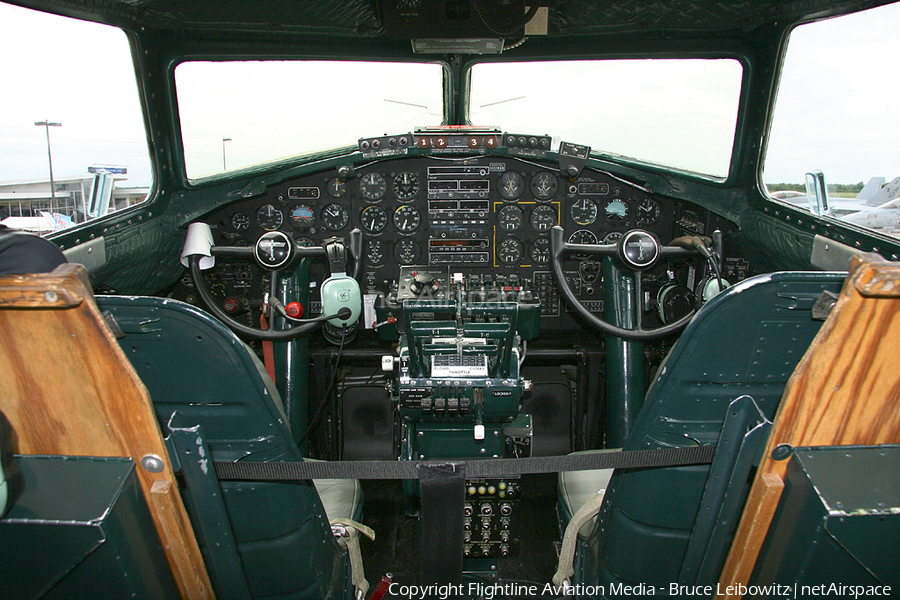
x=583, y=211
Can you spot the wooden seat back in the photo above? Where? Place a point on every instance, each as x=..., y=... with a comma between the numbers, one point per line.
x=844, y=392
x=68, y=389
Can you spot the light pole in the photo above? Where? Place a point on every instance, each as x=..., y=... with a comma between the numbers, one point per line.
x=224, y=166
x=47, y=125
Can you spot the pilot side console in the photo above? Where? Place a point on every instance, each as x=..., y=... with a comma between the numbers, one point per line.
x=457, y=387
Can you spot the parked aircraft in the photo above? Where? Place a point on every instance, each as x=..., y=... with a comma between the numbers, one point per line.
x=883, y=210
x=350, y=348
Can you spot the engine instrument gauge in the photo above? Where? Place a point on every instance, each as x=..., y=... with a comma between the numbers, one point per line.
x=269, y=218
x=240, y=222
x=648, y=211
x=372, y=186
x=543, y=217
x=512, y=185
x=304, y=242
x=406, y=252
x=540, y=251
x=583, y=211
x=406, y=186
x=335, y=217
x=407, y=219
x=582, y=236
x=544, y=185
x=510, y=218
x=375, y=253
x=612, y=237
x=302, y=217
x=510, y=251
x=373, y=219
x=616, y=212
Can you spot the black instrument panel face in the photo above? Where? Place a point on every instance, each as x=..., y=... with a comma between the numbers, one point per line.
x=486, y=215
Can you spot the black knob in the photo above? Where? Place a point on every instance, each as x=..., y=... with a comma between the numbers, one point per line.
x=423, y=282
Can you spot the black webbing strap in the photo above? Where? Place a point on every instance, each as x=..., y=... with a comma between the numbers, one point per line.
x=492, y=468
x=443, y=493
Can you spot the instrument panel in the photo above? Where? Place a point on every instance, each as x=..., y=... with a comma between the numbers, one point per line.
x=488, y=216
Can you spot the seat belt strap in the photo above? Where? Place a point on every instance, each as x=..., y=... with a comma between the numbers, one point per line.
x=566, y=567
x=347, y=533
x=475, y=469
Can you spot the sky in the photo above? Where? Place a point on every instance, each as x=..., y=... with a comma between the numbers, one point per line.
x=74, y=73
x=836, y=110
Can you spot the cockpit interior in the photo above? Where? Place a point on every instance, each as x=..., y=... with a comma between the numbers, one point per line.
x=548, y=335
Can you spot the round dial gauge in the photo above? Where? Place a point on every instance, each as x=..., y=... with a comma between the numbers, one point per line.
x=540, y=251
x=510, y=218
x=240, y=222
x=337, y=188
x=302, y=217
x=510, y=251
x=304, y=242
x=372, y=186
x=616, y=212
x=406, y=186
x=335, y=217
x=269, y=218
x=512, y=185
x=648, y=211
x=374, y=253
x=406, y=252
x=373, y=219
x=583, y=236
x=583, y=211
x=543, y=218
x=544, y=185
x=612, y=237
x=407, y=219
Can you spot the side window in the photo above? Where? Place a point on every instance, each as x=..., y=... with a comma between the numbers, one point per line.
x=836, y=114
x=72, y=141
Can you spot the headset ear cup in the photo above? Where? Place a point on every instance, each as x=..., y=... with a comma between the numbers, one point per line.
x=341, y=291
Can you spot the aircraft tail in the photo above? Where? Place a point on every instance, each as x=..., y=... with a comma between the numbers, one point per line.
x=884, y=194
x=872, y=187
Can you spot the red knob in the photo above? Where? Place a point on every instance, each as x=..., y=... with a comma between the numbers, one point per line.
x=294, y=310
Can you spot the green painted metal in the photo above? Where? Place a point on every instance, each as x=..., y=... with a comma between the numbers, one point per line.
x=193, y=364
x=207, y=510
x=837, y=524
x=626, y=384
x=290, y=357
x=746, y=341
x=738, y=451
x=81, y=529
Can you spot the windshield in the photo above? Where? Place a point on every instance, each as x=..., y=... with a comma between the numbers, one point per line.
x=72, y=140
x=238, y=114
x=836, y=113
x=675, y=112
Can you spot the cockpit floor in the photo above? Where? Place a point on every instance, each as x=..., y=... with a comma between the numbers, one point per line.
x=396, y=549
